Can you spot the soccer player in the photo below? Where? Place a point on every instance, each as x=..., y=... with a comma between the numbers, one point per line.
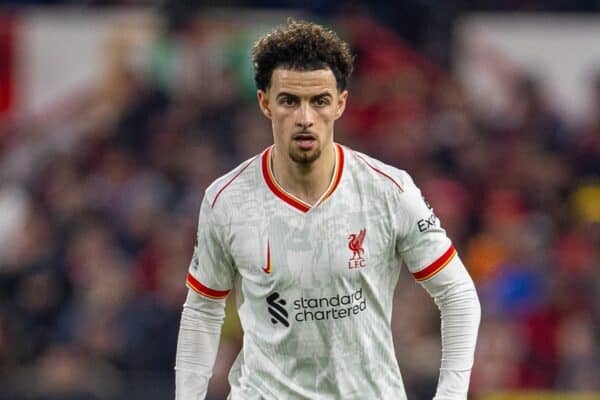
x=310, y=235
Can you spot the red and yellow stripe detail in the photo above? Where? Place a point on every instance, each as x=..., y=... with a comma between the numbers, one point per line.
x=290, y=198
x=267, y=268
x=436, y=266
x=199, y=288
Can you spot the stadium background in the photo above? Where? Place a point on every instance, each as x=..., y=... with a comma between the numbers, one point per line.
x=115, y=115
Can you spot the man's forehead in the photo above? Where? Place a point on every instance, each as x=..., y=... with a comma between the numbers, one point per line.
x=291, y=80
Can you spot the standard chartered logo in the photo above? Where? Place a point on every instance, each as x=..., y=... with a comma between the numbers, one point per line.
x=307, y=309
x=325, y=308
x=278, y=313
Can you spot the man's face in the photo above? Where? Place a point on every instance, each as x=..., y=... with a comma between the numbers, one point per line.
x=302, y=107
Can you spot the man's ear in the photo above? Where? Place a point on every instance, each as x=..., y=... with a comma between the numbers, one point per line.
x=263, y=103
x=341, y=104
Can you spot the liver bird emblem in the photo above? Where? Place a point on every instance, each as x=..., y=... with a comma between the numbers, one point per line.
x=355, y=243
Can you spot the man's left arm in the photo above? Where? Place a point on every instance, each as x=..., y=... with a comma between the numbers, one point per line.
x=435, y=264
x=454, y=293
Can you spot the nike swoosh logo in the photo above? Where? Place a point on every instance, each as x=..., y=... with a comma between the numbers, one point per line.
x=267, y=268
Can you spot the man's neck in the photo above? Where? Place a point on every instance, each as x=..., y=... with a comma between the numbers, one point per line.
x=308, y=182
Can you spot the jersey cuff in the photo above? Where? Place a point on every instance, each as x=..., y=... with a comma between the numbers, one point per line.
x=436, y=266
x=199, y=288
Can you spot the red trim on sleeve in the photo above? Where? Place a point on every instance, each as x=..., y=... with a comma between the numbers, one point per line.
x=436, y=266
x=380, y=172
x=194, y=284
x=212, y=205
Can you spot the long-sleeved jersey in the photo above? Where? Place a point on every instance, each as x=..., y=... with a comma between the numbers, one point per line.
x=314, y=284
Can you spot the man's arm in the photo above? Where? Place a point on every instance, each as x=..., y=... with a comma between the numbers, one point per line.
x=454, y=294
x=209, y=279
x=197, y=345
x=434, y=263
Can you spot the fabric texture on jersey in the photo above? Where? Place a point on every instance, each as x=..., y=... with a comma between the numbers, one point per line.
x=314, y=285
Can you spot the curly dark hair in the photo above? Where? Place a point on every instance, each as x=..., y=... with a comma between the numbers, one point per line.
x=301, y=46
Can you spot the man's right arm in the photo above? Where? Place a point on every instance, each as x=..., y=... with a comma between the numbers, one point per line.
x=209, y=279
x=197, y=345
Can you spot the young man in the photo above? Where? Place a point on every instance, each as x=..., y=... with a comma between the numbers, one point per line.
x=310, y=236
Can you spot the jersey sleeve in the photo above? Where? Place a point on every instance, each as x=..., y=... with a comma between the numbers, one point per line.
x=422, y=242
x=211, y=271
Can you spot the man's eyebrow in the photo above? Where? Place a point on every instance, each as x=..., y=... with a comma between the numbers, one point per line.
x=286, y=94
x=294, y=96
x=320, y=95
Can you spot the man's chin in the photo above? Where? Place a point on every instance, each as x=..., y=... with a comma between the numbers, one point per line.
x=305, y=157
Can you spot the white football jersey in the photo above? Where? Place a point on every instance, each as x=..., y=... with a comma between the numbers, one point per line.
x=314, y=285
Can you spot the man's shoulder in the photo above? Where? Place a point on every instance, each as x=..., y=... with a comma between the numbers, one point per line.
x=235, y=183
x=371, y=170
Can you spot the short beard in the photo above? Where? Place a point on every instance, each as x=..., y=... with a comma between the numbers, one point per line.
x=305, y=157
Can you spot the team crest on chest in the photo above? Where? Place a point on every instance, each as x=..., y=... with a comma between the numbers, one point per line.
x=355, y=244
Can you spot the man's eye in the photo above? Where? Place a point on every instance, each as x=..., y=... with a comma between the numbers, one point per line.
x=288, y=101
x=322, y=102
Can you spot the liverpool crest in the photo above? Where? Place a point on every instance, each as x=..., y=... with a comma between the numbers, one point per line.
x=355, y=244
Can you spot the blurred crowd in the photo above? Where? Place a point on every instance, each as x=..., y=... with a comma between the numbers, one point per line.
x=99, y=198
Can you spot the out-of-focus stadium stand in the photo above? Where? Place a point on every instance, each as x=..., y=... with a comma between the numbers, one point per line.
x=111, y=128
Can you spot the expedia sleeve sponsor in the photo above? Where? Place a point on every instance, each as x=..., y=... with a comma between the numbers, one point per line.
x=421, y=239
x=425, y=224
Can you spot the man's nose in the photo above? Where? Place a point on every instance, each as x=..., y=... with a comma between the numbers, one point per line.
x=305, y=118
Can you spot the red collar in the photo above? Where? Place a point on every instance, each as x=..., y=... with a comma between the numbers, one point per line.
x=290, y=198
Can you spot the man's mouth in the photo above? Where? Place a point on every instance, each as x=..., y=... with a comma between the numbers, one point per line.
x=304, y=140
